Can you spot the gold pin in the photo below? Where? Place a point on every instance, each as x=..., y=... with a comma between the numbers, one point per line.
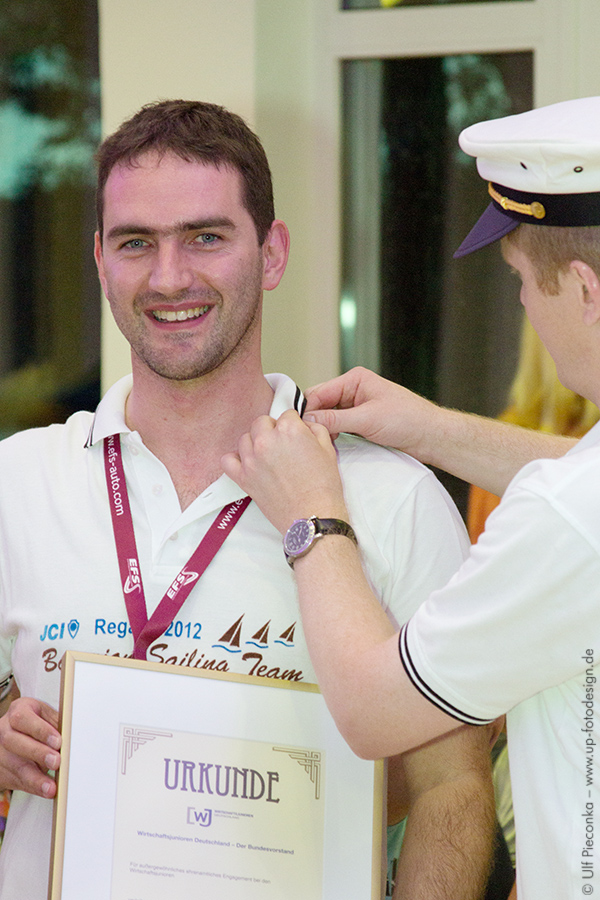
x=535, y=209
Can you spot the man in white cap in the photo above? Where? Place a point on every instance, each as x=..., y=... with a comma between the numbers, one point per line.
x=517, y=629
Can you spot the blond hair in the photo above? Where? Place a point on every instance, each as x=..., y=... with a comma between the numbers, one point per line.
x=551, y=249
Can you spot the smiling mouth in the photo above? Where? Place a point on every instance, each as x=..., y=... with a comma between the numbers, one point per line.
x=181, y=315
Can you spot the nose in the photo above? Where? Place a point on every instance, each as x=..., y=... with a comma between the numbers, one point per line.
x=170, y=271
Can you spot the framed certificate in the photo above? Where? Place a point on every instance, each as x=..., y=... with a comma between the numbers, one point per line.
x=180, y=782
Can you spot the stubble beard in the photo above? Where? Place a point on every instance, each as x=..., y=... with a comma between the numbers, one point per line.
x=184, y=360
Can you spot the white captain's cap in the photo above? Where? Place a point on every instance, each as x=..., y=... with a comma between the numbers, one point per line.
x=542, y=167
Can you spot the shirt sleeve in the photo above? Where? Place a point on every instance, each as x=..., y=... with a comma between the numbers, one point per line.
x=516, y=619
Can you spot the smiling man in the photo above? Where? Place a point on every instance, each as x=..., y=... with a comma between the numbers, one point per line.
x=122, y=500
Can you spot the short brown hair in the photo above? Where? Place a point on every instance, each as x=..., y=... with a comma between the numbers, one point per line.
x=552, y=248
x=194, y=131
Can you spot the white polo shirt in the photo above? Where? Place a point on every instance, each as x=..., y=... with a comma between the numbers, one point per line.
x=517, y=630
x=60, y=587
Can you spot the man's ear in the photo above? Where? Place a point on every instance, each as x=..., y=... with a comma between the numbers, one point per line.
x=275, y=249
x=590, y=284
x=99, y=259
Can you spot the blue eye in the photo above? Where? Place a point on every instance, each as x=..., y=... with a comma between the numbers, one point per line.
x=135, y=244
x=207, y=238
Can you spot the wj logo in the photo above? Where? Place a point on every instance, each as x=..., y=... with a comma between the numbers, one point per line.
x=199, y=816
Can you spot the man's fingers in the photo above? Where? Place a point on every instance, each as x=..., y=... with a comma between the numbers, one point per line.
x=325, y=396
x=326, y=418
x=27, y=750
x=289, y=421
x=235, y=464
x=292, y=428
x=322, y=434
x=263, y=425
x=232, y=466
x=18, y=774
x=25, y=746
x=29, y=745
x=341, y=392
x=36, y=719
x=50, y=715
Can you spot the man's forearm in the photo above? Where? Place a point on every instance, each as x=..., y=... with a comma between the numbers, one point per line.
x=484, y=451
x=448, y=843
x=481, y=451
x=447, y=848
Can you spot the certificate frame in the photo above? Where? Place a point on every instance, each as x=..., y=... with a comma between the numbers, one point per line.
x=101, y=693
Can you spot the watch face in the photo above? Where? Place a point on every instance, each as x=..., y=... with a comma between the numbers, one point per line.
x=299, y=537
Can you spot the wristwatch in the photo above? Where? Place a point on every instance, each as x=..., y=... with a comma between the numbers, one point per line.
x=302, y=534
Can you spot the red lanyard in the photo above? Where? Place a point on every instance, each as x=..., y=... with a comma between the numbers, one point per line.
x=147, y=630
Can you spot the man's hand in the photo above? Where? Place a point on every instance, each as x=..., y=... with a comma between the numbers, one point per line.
x=289, y=468
x=361, y=402
x=29, y=741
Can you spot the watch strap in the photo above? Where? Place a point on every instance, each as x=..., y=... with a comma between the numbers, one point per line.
x=335, y=526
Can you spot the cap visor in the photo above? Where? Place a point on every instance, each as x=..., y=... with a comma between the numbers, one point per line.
x=490, y=227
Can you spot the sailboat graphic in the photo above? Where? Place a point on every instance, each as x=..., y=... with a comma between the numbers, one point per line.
x=287, y=638
x=230, y=641
x=261, y=638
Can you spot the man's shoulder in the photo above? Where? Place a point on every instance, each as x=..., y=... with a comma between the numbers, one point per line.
x=556, y=476
x=411, y=534
x=33, y=444
x=382, y=482
x=570, y=485
x=359, y=459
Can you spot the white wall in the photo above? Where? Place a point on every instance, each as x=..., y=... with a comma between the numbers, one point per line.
x=296, y=118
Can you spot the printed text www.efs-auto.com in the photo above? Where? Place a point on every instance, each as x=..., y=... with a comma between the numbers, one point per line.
x=587, y=815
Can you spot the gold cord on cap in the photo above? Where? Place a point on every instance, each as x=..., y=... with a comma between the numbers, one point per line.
x=534, y=209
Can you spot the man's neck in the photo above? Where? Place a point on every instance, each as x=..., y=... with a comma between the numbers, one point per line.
x=190, y=425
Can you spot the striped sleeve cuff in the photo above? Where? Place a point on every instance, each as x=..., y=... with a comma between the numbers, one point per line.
x=423, y=688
